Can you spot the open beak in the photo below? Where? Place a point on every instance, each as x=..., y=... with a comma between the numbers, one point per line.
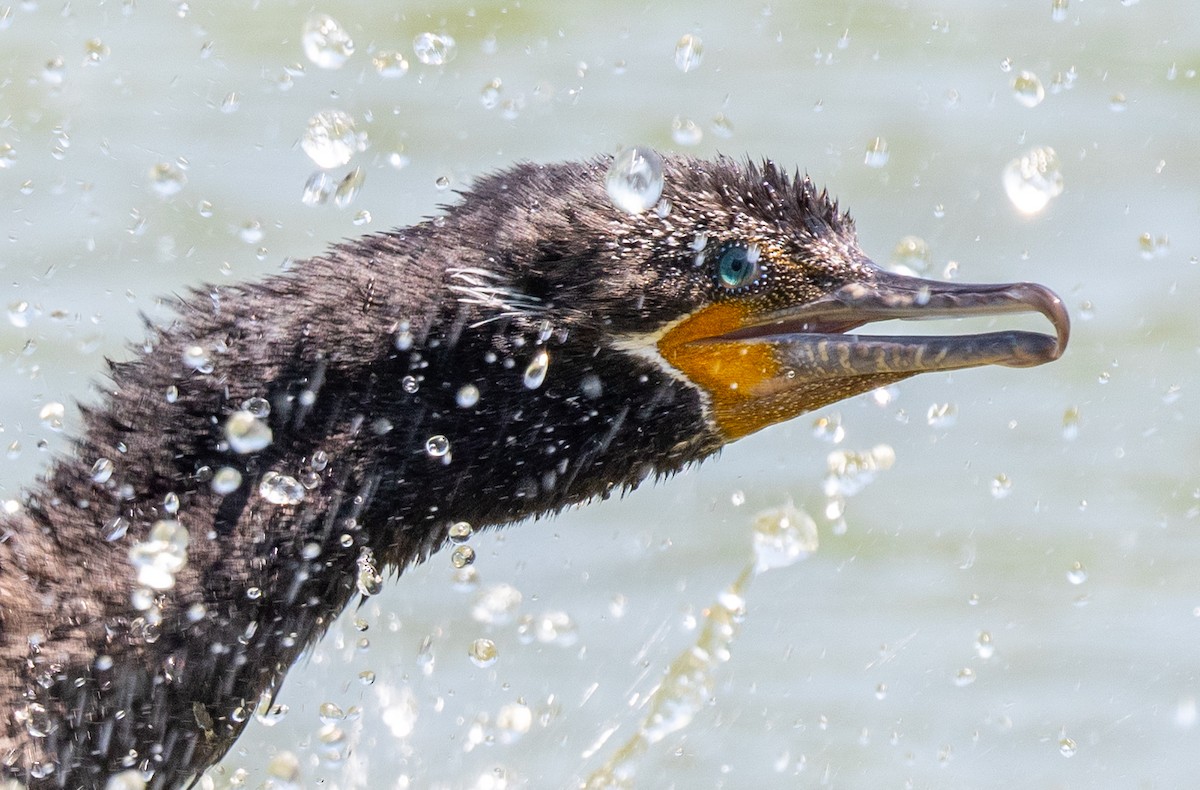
x=775, y=365
x=816, y=339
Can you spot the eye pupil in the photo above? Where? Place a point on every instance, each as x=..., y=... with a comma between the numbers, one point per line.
x=736, y=268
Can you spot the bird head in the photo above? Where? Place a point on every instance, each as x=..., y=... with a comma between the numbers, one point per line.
x=748, y=284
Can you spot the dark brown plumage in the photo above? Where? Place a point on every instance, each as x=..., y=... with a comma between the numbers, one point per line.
x=531, y=348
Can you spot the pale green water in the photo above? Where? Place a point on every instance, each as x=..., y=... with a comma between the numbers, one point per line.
x=930, y=558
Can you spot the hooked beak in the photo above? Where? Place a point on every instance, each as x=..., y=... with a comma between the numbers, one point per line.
x=762, y=368
x=814, y=337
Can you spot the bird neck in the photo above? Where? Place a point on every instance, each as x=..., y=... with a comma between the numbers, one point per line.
x=369, y=424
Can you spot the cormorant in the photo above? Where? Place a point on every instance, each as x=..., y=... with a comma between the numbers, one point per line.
x=532, y=347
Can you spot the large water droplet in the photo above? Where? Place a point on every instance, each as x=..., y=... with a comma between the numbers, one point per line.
x=246, y=433
x=462, y=556
x=437, y=446
x=635, y=180
x=280, y=489
x=1027, y=89
x=226, y=480
x=460, y=532
x=326, y=43
x=330, y=139
x=1032, y=180
x=467, y=396
x=483, y=653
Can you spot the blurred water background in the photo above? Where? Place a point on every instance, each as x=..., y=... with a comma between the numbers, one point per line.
x=1015, y=602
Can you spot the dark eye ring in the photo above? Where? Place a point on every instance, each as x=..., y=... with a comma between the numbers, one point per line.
x=738, y=266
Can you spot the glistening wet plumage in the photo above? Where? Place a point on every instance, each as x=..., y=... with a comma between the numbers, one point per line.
x=318, y=420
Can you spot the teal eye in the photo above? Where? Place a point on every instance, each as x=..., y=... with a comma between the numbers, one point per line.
x=737, y=266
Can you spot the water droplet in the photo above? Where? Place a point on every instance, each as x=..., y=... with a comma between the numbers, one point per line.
x=689, y=52
x=467, y=396
x=325, y=42
x=231, y=103
x=497, y=605
x=37, y=720
x=317, y=189
x=460, y=532
x=167, y=179
x=330, y=139
x=18, y=314
x=1001, y=486
x=410, y=384
x=1117, y=102
x=366, y=677
x=54, y=72
x=849, y=471
x=782, y=537
x=877, y=153
x=1058, y=10
x=941, y=415
x=548, y=628
x=389, y=64
x=369, y=580
x=483, y=653
x=1077, y=573
x=536, y=371
x=685, y=131
x=1033, y=180
x=52, y=415
x=829, y=428
x=721, y=126
x=911, y=255
x=8, y=156
x=1067, y=747
x=434, y=49
x=404, y=337
x=226, y=480
x=437, y=446
x=196, y=358
x=984, y=648
x=489, y=96
x=114, y=529
x=102, y=470
x=1028, y=89
x=280, y=489
x=635, y=180
x=965, y=677
x=330, y=713
x=1070, y=423
x=95, y=51
x=462, y=556
x=246, y=433
x=161, y=555
x=349, y=187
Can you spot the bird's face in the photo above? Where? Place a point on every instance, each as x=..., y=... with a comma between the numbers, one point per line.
x=750, y=285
